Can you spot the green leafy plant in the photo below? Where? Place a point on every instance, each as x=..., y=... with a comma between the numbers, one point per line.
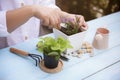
x=53, y=47
x=72, y=26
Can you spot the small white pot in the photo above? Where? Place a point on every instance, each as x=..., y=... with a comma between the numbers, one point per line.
x=75, y=39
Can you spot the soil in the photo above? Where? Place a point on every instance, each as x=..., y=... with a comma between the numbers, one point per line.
x=69, y=31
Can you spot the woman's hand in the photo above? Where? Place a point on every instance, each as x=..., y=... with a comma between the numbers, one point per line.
x=73, y=16
x=50, y=16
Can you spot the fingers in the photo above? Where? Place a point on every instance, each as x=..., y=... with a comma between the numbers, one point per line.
x=52, y=20
x=55, y=21
x=81, y=19
x=82, y=22
x=84, y=27
x=49, y=16
x=58, y=22
x=46, y=22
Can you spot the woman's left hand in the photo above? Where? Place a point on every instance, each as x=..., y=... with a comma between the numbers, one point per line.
x=73, y=16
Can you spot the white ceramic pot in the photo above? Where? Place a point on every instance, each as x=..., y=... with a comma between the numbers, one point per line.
x=75, y=39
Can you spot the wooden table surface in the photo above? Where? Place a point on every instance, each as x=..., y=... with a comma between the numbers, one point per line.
x=104, y=65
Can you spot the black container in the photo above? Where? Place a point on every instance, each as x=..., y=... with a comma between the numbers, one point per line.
x=50, y=61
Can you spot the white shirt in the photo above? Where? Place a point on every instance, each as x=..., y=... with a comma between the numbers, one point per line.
x=28, y=30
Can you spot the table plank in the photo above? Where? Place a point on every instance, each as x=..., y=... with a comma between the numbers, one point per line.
x=111, y=73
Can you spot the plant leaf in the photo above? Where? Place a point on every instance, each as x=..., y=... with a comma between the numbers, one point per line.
x=53, y=54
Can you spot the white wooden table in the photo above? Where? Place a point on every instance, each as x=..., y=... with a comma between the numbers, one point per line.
x=105, y=65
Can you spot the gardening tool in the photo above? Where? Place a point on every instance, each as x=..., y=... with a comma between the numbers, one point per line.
x=64, y=58
x=35, y=57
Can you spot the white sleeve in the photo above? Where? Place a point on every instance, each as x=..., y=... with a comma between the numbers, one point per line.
x=3, y=25
x=49, y=3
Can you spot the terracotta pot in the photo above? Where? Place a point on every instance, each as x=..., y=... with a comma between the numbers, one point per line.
x=101, y=39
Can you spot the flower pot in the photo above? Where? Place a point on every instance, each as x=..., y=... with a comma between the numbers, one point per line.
x=75, y=39
x=50, y=61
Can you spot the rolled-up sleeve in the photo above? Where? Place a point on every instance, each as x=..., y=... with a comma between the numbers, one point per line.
x=3, y=25
x=49, y=3
x=53, y=4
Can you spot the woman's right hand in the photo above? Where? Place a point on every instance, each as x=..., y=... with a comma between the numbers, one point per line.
x=49, y=16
